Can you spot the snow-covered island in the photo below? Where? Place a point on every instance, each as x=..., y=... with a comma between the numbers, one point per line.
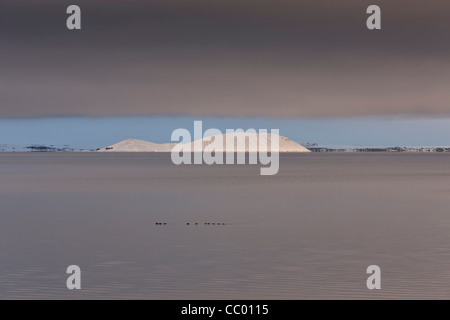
x=231, y=142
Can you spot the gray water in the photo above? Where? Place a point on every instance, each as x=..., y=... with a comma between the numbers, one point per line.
x=309, y=232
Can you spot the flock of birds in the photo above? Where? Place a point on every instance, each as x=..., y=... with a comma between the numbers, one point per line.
x=195, y=224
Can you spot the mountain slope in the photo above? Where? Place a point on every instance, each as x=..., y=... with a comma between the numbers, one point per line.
x=220, y=143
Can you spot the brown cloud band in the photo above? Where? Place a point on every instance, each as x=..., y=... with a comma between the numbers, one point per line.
x=234, y=58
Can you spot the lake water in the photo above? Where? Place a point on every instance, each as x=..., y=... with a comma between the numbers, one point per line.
x=309, y=232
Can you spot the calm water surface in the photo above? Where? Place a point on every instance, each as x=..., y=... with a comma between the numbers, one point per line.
x=309, y=232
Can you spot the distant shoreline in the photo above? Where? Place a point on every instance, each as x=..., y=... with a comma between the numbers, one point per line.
x=382, y=149
x=315, y=149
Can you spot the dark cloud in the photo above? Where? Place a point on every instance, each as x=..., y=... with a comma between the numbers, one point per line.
x=224, y=57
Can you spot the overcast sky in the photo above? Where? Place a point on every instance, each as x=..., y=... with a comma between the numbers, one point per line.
x=276, y=58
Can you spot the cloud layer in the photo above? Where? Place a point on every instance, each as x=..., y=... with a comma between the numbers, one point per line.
x=224, y=57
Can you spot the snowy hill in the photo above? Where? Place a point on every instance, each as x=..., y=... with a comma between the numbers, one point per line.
x=224, y=142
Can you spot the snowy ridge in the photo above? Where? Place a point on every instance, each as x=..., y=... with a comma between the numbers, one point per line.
x=229, y=142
